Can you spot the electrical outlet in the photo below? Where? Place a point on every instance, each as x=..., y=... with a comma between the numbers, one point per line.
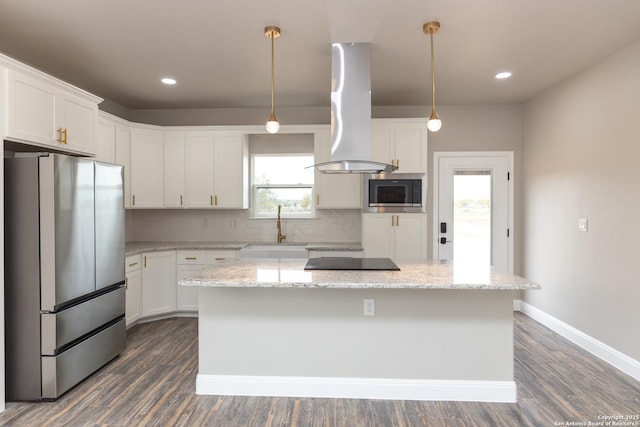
x=369, y=307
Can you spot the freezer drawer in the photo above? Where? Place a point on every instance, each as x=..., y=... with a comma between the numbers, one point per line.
x=61, y=328
x=61, y=372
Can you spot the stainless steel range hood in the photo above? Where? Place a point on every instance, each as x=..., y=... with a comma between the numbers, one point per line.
x=351, y=112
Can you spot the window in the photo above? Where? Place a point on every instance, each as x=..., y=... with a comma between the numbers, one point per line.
x=281, y=179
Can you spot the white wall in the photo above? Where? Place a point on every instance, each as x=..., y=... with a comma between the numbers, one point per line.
x=581, y=160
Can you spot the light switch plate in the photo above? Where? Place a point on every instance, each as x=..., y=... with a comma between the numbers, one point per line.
x=583, y=224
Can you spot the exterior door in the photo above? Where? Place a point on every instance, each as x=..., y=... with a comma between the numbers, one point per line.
x=473, y=208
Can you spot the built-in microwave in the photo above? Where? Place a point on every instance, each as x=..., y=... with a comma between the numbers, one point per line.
x=394, y=192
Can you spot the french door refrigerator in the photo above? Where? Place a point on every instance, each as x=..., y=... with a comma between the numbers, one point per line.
x=64, y=272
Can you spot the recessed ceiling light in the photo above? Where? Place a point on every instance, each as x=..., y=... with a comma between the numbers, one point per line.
x=168, y=81
x=503, y=75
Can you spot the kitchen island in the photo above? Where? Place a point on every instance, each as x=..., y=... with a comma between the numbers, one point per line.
x=431, y=331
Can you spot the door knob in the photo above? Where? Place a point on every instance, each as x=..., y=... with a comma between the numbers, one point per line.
x=444, y=241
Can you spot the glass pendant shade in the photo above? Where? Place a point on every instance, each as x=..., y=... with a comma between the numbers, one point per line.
x=434, y=124
x=273, y=126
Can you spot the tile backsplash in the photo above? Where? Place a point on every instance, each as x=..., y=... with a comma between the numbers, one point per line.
x=237, y=226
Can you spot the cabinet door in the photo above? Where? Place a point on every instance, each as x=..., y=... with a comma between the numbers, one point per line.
x=339, y=191
x=230, y=160
x=382, y=143
x=31, y=109
x=123, y=157
x=378, y=235
x=158, y=283
x=199, y=170
x=133, y=281
x=410, y=237
x=187, y=297
x=106, y=140
x=174, y=180
x=78, y=117
x=147, y=168
x=403, y=144
x=410, y=141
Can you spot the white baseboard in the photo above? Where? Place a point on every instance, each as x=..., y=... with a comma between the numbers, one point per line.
x=599, y=349
x=357, y=388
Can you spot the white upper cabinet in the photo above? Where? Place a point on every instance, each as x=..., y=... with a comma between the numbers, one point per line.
x=123, y=157
x=334, y=191
x=147, y=168
x=231, y=171
x=216, y=170
x=42, y=111
x=199, y=174
x=106, y=140
x=174, y=176
x=402, y=143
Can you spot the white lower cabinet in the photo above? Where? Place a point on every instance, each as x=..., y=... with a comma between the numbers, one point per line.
x=190, y=263
x=401, y=237
x=158, y=283
x=133, y=285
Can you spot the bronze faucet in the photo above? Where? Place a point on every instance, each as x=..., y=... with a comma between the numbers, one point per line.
x=281, y=236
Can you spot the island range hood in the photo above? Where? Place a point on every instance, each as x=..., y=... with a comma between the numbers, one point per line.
x=351, y=112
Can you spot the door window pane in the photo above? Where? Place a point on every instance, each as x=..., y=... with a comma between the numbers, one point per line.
x=472, y=217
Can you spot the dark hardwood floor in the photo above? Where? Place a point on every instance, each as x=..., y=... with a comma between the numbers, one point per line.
x=153, y=384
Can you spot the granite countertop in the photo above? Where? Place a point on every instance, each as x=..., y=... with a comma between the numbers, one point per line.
x=290, y=273
x=133, y=248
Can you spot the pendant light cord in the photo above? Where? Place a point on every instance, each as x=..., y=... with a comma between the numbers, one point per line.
x=433, y=75
x=273, y=72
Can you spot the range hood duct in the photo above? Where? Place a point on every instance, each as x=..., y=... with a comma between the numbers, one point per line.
x=351, y=112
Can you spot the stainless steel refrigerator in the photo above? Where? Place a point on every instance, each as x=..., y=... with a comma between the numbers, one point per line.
x=64, y=272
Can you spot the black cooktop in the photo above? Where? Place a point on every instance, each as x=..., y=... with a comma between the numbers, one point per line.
x=341, y=263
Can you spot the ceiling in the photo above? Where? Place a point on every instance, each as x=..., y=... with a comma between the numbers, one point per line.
x=216, y=49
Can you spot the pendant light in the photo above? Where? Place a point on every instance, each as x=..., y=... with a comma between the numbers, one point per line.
x=272, y=32
x=434, y=124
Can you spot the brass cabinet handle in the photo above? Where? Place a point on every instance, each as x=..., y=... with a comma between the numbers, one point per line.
x=317, y=199
x=191, y=258
x=64, y=133
x=398, y=163
x=211, y=201
x=397, y=220
x=392, y=221
x=181, y=200
x=126, y=283
x=132, y=264
x=134, y=200
x=216, y=198
x=145, y=261
x=59, y=139
x=219, y=259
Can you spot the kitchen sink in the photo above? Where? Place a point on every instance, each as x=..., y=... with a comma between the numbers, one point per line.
x=274, y=251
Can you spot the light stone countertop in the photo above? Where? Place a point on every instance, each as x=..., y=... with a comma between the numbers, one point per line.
x=133, y=248
x=290, y=273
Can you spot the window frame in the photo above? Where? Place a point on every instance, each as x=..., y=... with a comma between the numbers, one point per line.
x=255, y=187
